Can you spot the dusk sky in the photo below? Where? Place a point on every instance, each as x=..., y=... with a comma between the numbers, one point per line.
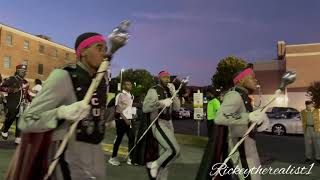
x=185, y=37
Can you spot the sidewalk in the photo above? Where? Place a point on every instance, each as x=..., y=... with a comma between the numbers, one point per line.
x=185, y=168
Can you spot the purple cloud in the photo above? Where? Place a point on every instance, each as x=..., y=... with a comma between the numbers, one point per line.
x=163, y=16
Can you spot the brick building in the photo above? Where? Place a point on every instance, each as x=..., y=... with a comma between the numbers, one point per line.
x=302, y=58
x=38, y=52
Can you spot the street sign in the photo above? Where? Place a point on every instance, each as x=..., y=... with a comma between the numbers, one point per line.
x=198, y=113
x=198, y=105
x=198, y=109
x=197, y=100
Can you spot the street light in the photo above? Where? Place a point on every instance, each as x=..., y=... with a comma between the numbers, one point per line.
x=120, y=85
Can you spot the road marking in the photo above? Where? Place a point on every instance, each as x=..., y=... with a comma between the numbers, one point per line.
x=107, y=148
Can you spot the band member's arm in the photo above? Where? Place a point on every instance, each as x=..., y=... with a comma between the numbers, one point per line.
x=8, y=90
x=176, y=104
x=41, y=115
x=26, y=91
x=33, y=92
x=122, y=104
x=151, y=101
x=5, y=86
x=228, y=112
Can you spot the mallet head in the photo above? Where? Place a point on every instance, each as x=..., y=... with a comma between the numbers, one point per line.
x=185, y=81
x=287, y=78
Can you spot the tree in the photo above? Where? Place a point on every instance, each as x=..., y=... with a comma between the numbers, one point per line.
x=226, y=69
x=113, y=85
x=141, y=80
x=314, y=93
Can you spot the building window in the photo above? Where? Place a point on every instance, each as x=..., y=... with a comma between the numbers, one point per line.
x=40, y=68
x=41, y=49
x=55, y=53
x=7, y=62
x=26, y=44
x=24, y=62
x=9, y=39
x=67, y=57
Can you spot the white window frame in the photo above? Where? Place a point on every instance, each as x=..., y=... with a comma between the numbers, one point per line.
x=39, y=69
x=41, y=45
x=9, y=41
x=55, y=53
x=7, y=62
x=26, y=44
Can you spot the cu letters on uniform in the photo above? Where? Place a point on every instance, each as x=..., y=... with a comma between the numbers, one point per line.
x=95, y=102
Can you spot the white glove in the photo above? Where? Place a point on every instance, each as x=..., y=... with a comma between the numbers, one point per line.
x=264, y=125
x=171, y=87
x=73, y=112
x=257, y=117
x=165, y=102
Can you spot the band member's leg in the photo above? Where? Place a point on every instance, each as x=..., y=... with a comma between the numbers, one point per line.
x=121, y=130
x=130, y=135
x=163, y=174
x=171, y=149
x=17, y=129
x=10, y=118
x=93, y=164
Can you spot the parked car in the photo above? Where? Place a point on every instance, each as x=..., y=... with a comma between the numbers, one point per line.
x=282, y=112
x=289, y=125
x=183, y=113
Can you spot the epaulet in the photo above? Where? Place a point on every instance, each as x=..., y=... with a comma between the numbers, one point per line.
x=232, y=91
x=8, y=78
x=154, y=87
x=237, y=89
x=69, y=67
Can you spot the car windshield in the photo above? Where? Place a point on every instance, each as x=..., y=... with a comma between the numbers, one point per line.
x=292, y=110
x=282, y=109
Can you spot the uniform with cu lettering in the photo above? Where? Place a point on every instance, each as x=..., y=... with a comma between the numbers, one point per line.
x=83, y=157
x=48, y=119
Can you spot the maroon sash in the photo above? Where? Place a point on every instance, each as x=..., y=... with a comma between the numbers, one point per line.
x=30, y=160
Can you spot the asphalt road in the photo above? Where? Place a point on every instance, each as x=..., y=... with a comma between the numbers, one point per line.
x=274, y=151
x=286, y=148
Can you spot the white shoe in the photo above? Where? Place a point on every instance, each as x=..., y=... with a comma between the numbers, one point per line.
x=129, y=161
x=17, y=140
x=114, y=161
x=4, y=135
x=153, y=169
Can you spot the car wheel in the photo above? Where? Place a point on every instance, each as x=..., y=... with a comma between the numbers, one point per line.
x=278, y=130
